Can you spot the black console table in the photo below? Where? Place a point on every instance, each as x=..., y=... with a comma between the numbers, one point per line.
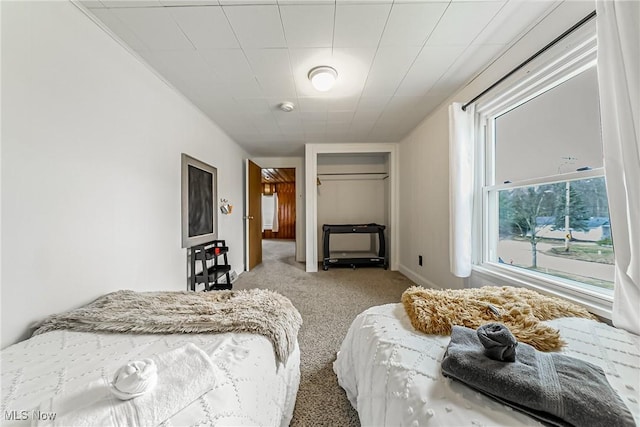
x=362, y=260
x=210, y=275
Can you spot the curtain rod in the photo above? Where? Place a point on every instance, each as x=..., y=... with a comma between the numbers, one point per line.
x=532, y=57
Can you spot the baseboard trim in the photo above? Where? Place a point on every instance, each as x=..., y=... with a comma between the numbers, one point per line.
x=416, y=278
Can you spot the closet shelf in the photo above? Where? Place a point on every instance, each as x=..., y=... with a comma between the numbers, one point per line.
x=352, y=176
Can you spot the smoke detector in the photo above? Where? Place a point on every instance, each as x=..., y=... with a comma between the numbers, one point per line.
x=287, y=107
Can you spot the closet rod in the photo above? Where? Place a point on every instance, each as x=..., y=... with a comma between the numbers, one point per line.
x=352, y=173
x=532, y=57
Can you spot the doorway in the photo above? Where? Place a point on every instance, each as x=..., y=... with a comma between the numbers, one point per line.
x=279, y=179
x=278, y=205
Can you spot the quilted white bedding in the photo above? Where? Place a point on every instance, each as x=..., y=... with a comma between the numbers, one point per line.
x=391, y=373
x=250, y=389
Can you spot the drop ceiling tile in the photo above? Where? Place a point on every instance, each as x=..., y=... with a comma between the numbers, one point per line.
x=269, y=63
x=373, y=103
x=242, y=88
x=314, y=104
x=364, y=1
x=512, y=20
x=253, y=105
x=430, y=65
x=180, y=66
x=344, y=103
x=256, y=26
x=313, y=117
x=359, y=25
x=303, y=59
x=308, y=25
x=462, y=22
x=306, y=2
x=468, y=65
x=206, y=27
x=228, y=64
x=401, y=105
x=154, y=27
x=281, y=86
x=92, y=4
x=353, y=65
x=411, y=23
x=366, y=116
x=334, y=117
x=389, y=68
x=131, y=3
x=246, y=2
x=288, y=124
x=119, y=28
x=190, y=2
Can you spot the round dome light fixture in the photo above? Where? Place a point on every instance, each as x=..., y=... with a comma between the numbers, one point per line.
x=287, y=106
x=323, y=77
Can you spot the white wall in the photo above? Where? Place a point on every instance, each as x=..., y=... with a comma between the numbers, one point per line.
x=424, y=160
x=91, y=144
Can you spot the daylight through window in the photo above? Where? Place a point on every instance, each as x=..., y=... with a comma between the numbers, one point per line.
x=546, y=213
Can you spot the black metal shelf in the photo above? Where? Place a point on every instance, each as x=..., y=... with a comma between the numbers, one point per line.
x=210, y=274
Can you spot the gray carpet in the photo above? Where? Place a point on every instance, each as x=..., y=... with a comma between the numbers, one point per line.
x=328, y=302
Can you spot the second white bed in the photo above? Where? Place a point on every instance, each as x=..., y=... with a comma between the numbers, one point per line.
x=391, y=373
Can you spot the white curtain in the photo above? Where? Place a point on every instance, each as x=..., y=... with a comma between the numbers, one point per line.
x=618, y=28
x=275, y=227
x=461, y=188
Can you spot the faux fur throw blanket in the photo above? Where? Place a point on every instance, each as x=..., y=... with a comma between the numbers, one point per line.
x=522, y=310
x=256, y=311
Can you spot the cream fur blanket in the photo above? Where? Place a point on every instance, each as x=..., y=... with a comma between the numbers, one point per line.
x=257, y=311
x=522, y=310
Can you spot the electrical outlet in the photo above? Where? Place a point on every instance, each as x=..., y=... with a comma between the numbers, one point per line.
x=420, y=260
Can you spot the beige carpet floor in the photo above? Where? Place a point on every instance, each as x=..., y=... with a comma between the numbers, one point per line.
x=328, y=302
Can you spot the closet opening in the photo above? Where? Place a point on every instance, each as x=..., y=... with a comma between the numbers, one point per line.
x=351, y=184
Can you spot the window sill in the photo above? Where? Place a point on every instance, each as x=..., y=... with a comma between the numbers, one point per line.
x=491, y=274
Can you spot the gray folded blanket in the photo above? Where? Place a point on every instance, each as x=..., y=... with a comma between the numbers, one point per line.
x=498, y=341
x=556, y=389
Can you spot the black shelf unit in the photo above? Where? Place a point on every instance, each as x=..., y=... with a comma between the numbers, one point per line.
x=210, y=274
x=362, y=260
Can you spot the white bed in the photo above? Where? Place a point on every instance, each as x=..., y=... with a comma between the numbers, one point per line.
x=391, y=373
x=250, y=389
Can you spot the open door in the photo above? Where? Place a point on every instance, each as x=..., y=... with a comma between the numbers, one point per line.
x=253, y=215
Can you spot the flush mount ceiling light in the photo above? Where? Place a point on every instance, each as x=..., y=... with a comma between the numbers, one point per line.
x=287, y=107
x=323, y=77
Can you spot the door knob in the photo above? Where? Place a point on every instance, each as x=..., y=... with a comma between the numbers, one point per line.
x=248, y=217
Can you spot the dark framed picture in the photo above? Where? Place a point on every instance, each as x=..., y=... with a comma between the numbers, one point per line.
x=199, y=195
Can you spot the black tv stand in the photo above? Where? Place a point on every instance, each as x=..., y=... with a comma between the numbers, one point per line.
x=355, y=259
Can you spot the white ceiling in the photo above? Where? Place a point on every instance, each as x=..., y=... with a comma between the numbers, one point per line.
x=237, y=60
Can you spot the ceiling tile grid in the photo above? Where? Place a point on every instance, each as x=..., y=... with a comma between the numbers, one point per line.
x=239, y=60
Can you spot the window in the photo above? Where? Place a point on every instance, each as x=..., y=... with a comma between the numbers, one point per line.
x=268, y=209
x=545, y=211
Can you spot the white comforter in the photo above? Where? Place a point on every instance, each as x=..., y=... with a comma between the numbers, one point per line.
x=250, y=389
x=391, y=373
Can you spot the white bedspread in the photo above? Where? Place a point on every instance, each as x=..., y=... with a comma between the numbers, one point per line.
x=250, y=388
x=391, y=373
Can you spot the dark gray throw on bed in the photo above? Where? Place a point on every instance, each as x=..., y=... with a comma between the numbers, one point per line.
x=555, y=388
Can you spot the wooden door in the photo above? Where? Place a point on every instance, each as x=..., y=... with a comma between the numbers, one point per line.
x=253, y=217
